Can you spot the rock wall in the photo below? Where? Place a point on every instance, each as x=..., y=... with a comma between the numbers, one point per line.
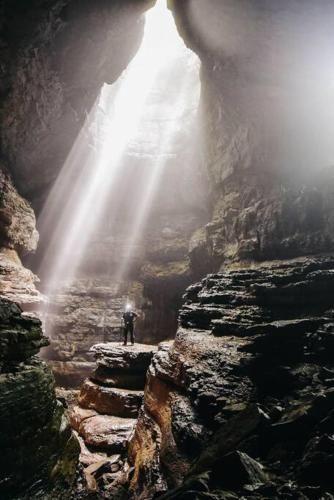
x=18, y=236
x=38, y=451
x=265, y=82
x=55, y=57
x=241, y=404
x=39, y=454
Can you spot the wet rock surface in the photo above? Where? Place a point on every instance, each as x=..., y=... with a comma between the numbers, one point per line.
x=39, y=452
x=110, y=400
x=106, y=411
x=134, y=358
x=239, y=406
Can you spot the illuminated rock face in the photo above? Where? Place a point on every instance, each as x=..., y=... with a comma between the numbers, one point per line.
x=242, y=399
x=18, y=235
x=267, y=162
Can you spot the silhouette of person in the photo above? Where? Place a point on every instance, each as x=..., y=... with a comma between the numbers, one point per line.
x=129, y=318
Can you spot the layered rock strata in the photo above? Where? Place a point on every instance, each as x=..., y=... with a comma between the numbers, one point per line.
x=107, y=409
x=241, y=404
x=18, y=235
x=39, y=453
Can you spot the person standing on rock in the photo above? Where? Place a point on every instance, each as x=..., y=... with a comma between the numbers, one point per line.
x=129, y=318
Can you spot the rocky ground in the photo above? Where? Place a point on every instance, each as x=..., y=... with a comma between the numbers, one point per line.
x=241, y=405
x=105, y=412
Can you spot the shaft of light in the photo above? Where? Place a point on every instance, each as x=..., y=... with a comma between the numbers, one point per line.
x=79, y=197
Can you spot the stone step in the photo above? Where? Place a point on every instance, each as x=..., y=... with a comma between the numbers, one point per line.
x=110, y=434
x=101, y=433
x=110, y=400
x=118, y=378
x=135, y=358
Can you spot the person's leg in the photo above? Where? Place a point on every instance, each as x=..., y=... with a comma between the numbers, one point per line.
x=125, y=335
x=132, y=335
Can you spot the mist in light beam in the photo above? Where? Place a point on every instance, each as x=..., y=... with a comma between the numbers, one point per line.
x=137, y=117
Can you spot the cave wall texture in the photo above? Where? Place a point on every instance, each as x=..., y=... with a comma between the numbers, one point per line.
x=267, y=160
x=269, y=152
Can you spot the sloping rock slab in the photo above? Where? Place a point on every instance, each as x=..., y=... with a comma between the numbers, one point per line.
x=107, y=433
x=110, y=400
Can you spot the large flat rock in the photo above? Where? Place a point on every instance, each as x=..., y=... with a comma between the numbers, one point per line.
x=118, y=378
x=114, y=356
x=110, y=400
x=106, y=433
x=77, y=415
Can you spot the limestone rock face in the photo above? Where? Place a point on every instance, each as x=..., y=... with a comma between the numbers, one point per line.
x=20, y=335
x=17, y=218
x=38, y=450
x=46, y=93
x=17, y=283
x=267, y=177
x=18, y=236
x=241, y=401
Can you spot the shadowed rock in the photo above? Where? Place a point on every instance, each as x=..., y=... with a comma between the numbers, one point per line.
x=240, y=405
x=132, y=358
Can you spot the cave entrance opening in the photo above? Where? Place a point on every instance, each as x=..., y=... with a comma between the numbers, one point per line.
x=124, y=205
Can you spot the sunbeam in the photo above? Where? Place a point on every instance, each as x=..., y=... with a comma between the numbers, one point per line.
x=126, y=123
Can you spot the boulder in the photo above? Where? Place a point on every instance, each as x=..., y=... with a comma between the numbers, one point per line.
x=134, y=358
x=110, y=400
x=106, y=433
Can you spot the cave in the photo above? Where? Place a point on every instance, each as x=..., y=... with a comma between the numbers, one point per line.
x=167, y=170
